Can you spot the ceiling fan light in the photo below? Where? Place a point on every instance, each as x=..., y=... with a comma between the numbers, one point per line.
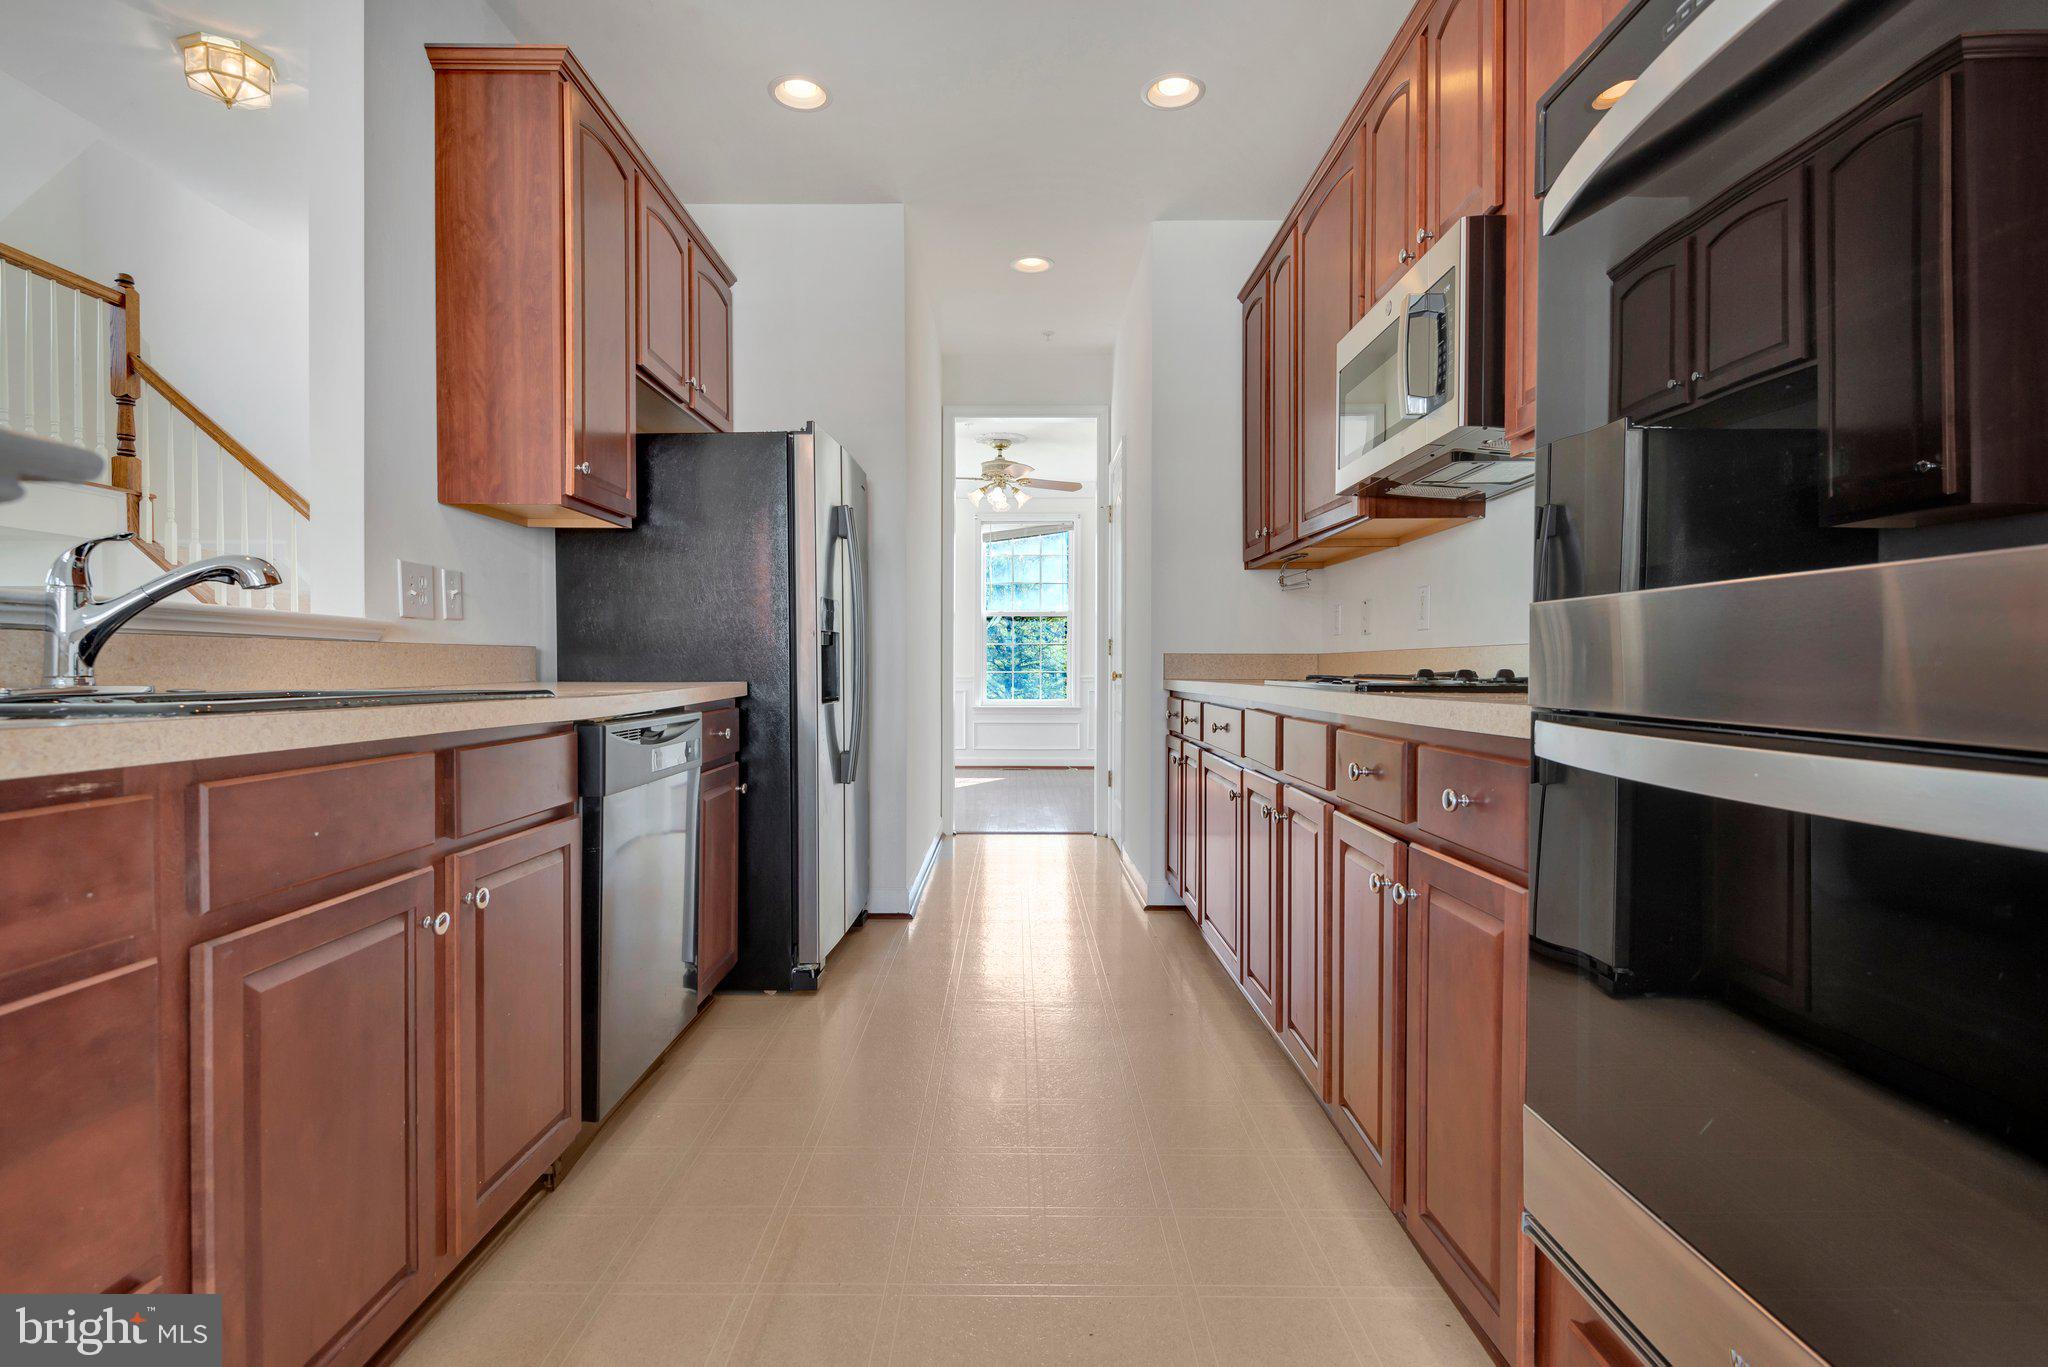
x=997, y=501
x=1023, y=497
x=975, y=495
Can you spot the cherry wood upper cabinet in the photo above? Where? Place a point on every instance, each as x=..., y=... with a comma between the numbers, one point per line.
x=574, y=299
x=1259, y=962
x=1222, y=828
x=1393, y=176
x=710, y=340
x=1328, y=264
x=663, y=337
x=1652, y=333
x=1467, y=982
x=1258, y=455
x=1367, y=993
x=313, y=1118
x=1464, y=44
x=1305, y=936
x=1283, y=397
x=718, y=876
x=1751, y=312
x=513, y=1020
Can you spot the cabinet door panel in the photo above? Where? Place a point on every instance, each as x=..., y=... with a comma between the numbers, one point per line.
x=1188, y=793
x=1305, y=936
x=312, y=1050
x=718, y=876
x=1467, y=976
x=1465, y=108
x=1222, y=838
x=1652, y=334
x=1283, y=392
x=710, y=342
x=1329, y=265
x=1257, y=415
x=515, y=1022
x=1753, y=298
x=664, y=294
x=1172, y=806
x=1393, y=138
x=1877, y=262
x=81, y=1166
x=1259, y=970
x=603, y=315
x=1367, y=994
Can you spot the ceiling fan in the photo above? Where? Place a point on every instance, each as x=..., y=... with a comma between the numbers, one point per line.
x=1006, y=483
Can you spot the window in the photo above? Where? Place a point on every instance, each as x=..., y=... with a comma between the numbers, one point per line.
x=1027, y=601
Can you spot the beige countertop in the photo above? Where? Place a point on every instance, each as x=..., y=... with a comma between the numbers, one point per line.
x=30, y=749
x=1497, y=715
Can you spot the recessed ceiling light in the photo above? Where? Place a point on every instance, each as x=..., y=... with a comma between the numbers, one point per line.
x=1611, y=96
x=1173, y=92
x=1031, y=265
x=799, y=92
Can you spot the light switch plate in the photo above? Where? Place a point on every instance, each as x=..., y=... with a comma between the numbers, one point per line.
x=416, y=596
x=451, y=595
x=1422, y=608
x=1365, y=617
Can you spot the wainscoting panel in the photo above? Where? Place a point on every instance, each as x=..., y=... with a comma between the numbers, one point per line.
x=999, y=734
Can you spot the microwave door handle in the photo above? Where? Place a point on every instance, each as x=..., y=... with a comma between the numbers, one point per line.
x=1435, y=310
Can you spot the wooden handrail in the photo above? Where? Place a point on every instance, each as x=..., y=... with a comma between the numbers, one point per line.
x=241, y=453
x=35, y=265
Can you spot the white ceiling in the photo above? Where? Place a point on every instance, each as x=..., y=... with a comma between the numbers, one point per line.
x=113, y=63
x=1006, y=129
x=1054, y=448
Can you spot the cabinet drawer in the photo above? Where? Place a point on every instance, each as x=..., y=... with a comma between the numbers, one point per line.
x=1262, y=738
x=489, y=785
x=1222, y=727
x=1477, y=801
x=272, y=831
x=1172, y=712
x=1190, y=719
x=1306, y=747
x=1375, y=773
x=80, y=876
x=721, y=734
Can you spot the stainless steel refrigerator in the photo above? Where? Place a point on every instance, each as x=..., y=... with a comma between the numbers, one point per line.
x=749, y=561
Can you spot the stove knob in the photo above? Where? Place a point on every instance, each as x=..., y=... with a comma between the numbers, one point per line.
x=1424, y=675
x=1504, y=676
x=1467, y=676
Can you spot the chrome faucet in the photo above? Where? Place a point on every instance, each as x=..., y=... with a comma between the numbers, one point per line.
x=80, y=625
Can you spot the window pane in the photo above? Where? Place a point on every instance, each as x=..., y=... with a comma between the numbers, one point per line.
x=1025, y=658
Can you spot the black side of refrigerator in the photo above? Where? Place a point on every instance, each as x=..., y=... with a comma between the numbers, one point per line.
x=702, y=588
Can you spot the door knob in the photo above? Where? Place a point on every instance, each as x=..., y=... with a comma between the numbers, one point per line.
x=1116, y=675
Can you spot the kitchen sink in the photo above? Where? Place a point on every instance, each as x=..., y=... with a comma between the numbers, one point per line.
x=174, y=702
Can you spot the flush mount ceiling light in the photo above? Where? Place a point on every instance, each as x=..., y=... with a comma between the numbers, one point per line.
x=1031, y=265
x=228, y=69
x=1611, y=96
x=1173, y=92
x=799, y=92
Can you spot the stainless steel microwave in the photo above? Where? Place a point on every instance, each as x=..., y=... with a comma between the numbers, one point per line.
x=1420, y=397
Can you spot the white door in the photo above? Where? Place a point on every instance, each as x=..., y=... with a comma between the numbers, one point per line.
x=1113, y=654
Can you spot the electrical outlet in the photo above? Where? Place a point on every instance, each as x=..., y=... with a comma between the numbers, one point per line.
x=451, y=595
x=1336, y=619
x=1365, y=617
x=1422, y=608
x=416, y=597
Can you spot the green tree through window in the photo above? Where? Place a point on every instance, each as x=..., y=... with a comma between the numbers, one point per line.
x=1027, y=576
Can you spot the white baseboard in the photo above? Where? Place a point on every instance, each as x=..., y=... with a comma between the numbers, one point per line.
x=924, y=874
x=1024, y=759
x=903, y=902
x=1161, y=896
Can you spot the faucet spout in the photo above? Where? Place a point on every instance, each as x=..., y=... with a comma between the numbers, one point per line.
x=79, y=625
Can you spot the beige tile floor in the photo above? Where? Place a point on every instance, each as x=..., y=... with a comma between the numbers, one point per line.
x=1036, y=1126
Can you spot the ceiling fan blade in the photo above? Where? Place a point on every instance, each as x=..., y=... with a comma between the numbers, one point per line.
x=1065, y=486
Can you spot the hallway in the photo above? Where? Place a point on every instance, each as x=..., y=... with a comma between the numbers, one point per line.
x=1023, y=801
x=1035, y=1126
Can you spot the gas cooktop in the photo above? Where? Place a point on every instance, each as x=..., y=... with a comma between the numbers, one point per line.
x=1421, y=681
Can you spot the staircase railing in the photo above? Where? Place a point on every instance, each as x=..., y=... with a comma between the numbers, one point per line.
x=72, y=369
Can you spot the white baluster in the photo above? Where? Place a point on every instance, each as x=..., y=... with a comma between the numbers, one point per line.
x=198, y=532
x=28, y=354
x=77, y=374
x=248, y=598
x=269, y=551
x=55, y=366
x=168, y=455
x=103, y=393
x=291, y=567
x=6, y=347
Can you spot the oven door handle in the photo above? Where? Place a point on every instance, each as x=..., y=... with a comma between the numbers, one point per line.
x=1985, y=806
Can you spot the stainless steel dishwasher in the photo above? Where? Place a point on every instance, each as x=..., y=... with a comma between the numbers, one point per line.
x=639, y=779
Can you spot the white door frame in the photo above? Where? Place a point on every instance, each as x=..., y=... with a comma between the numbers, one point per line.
x=949, y=419
x=1109, y=558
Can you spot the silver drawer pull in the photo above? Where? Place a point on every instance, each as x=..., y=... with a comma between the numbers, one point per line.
x=1219, y=726
x=741, y=789
x=724, y=733
x=1454, y=800
x=479, y=899
x=1233, y=794
x=437, y=924
x=1357, y=773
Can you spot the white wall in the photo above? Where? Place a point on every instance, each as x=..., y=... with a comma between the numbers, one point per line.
x=1131, y=426
x=820, y=333
x=927, y=769
x=335, y=282
x=508, y=572
x=1028, y=378
x=1031, y=733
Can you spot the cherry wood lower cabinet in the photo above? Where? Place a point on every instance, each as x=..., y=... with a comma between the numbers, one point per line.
x=1222, y=836
x=1171, y=803
x=1468, y=939
x=313, y=1085
x=1259, y=957
x=1564, y=1329
x=1305, y=935
x=1368, y=991
x=718, y=876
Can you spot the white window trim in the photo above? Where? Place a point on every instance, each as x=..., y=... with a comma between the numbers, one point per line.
x=1069, y=523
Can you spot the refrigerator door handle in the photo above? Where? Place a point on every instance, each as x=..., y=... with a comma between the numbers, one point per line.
x=846, y=528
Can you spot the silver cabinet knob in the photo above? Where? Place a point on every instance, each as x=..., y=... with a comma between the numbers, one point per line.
x=1219, y=726
x=582, y=467
x=437, y=924
x=1671, y=384
x=692, y=382
x=1233, y=795
x=1423, y=235
x=1358, y=773
x=1454, y=800
x=1926, y=467
x=479, y=899
x=1406, y=256
x=1401, y=894
x=723, y=733
x=1697, y=377
x=1377, y=882
x=741, y=789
